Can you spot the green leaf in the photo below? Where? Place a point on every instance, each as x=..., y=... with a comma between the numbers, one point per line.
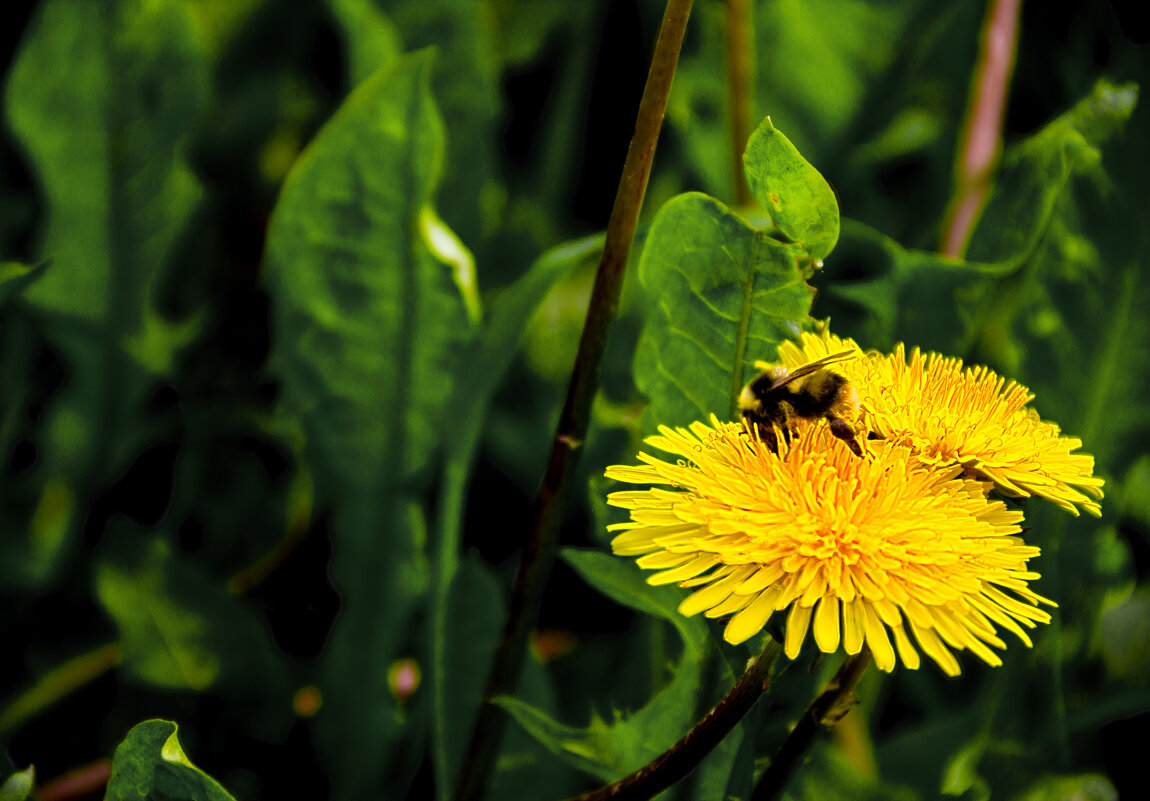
x=962, y=776
x=1124, y=635
x=525, y=25
x=913, y=296
x=18, y=786
x=1067, y=320
x=1036, y=173
x=830, y=776
x=525, y=768
x=100, y=97
x=587, y=749
x=722, y=296
x=16, y=277
x=474, y=621
x=465, y=81
x=793, y=192
x=370, y=39
x=482, y=369
x=1030, y=270
x=150, y=765
x=1049, y=185
x=178, y=628
x=163, y=644
x=612, y=749
x=155, y=345
x=727, y=771
x=380, y=568
x=368, y=322
x=1080, y=787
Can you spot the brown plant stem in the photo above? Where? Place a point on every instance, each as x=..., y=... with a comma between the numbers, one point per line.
x=981, y=140
x=825, y=711
x=684, y=756
x=81, y=782
x=543, y=544
x=740, y=72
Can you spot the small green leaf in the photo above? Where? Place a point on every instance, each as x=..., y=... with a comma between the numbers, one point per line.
x=525, y=768
x=178, y=628
x=612, y=749
x=163, y=643
x=155, y=344
x=971, y=771
x=797, y=197
x=14, y=277
x=370, y=39
x=18, y=786
x=368, y=321
x=588, y=750
x=150, y=765
x=722, y=296
x=1079, y=787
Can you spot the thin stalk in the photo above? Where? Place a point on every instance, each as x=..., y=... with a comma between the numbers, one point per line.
x=78, y=783
x=684, y=756
x=981, y=141
x=57, y=683
x=575, y=417
x=828, y=709
x=740, y=95
x=299, y=519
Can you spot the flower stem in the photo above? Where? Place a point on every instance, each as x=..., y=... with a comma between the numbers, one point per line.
x=78, y=783
x=684, y=756
x=835, y=701
x=981, y=142
x=299, y=510
x=740, y=71
x=540, y=551
x=57, y=683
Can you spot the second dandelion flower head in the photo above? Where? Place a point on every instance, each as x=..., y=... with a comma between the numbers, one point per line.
x=902, y=545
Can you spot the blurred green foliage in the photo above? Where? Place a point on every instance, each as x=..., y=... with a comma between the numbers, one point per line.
x=288, y=296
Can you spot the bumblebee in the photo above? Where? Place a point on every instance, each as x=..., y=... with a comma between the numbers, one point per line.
x=774, y=400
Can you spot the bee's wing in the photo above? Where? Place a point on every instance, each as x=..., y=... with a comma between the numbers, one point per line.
x=811, y=367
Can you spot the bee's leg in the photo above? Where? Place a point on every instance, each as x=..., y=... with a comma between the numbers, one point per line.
x=842, y=429
x=769, y=437
x=765, y=432
x=786, y=434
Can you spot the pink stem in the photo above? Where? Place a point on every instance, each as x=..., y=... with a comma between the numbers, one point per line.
x=981, y=143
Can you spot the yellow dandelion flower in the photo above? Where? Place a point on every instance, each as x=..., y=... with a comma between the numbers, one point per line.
x=947, y=415
x=862, y=551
